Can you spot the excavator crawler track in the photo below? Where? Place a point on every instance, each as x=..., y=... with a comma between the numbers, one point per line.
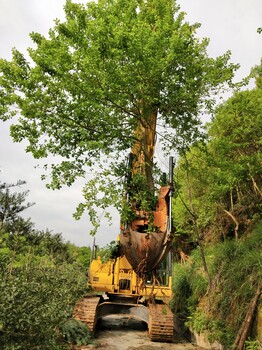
x=85, y=311
x=161, y=323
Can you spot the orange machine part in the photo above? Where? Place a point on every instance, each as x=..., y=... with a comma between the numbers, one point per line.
x=145, y=250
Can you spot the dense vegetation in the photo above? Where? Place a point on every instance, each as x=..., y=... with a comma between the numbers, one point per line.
x=41, y=277
x=218, y=211
x=235, y=270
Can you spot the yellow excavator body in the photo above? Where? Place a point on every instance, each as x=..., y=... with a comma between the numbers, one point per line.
x=118, y=290
x=118, y=277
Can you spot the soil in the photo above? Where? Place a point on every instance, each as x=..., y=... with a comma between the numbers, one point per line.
x=124, y=333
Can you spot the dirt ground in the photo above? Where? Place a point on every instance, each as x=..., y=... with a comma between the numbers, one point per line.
x=123, y=333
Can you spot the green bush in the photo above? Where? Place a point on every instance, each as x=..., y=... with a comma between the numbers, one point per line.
x=252, y=345
x=189, y=285
x=35, y=300
x=41, y=278
x=76, y=332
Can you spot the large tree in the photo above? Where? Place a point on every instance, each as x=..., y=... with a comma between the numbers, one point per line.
x=102, y=82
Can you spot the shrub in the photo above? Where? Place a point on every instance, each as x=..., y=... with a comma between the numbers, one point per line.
x=35, y=300
x=76, y=332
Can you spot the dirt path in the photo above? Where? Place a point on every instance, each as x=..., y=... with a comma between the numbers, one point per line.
x=123, y=333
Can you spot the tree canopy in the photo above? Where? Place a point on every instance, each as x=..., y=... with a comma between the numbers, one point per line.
x=97, y=77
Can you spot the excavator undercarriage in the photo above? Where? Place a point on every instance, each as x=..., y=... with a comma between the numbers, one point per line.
x=157, y=314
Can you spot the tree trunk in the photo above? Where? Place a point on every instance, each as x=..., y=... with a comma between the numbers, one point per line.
x=245, y=327
x=231, y=200
x=144, y=147
x=235, y=221
x=256, y=188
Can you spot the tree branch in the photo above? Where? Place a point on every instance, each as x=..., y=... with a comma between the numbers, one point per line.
x=235, y=221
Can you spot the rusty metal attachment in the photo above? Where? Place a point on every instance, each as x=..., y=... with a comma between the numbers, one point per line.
x=145, y=250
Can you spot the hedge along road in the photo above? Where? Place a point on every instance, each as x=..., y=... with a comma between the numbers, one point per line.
x=123, y=333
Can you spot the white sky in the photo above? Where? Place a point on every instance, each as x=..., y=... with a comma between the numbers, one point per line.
x=230, y=25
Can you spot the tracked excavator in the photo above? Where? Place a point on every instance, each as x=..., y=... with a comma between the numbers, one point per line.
x=137, y=282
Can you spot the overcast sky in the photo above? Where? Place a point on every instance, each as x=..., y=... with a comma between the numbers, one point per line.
x=230, y=25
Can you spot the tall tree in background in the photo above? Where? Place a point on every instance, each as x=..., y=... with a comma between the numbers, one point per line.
x=12, y=204
x=112, y=69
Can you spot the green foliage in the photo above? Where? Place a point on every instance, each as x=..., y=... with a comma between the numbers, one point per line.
x=221, y=178
x=110, y=251
x=140, y=198
x=76, y=332
x=198, y=321
x=191, y=174
x=182, y=289
x=238, y=267
x=252, y=345
x=189, y=285
x=224, y=173
x=235, y=268
x=35, y=299
x=40, y=243
x=12, y=203
x=81, y=254
x=96, y=77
